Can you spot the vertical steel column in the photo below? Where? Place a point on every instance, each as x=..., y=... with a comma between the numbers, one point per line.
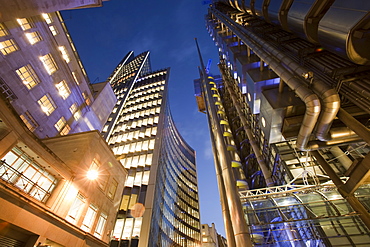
x=252, y=140
x=240, y=228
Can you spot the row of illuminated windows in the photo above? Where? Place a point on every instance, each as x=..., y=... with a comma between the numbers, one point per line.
x=175, y=182
x=75, y=212
x=144, y=105
x=137, y=178
x=147, y=88
x=189, y=211
x=178, y=151
x=190, y=178
x=127, y=228
x=26, y=174
x=141, y=95
x=190, y=197
x=137, y=161
x=144, y=98
x=134, y=147
x=152, y=75
x=145, y=112
x=173, y=222
x=131, y=135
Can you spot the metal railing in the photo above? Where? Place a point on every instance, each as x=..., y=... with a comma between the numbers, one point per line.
x=17, y=179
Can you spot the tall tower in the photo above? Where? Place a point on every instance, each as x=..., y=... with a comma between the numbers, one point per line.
x=289, y=121
x=160, y=200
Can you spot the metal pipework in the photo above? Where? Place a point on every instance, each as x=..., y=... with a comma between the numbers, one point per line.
x=252, y=140
x=240, y=228
x=308, y=97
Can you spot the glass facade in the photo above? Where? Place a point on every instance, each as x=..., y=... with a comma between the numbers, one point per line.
x=142, y=135
x=175, y=220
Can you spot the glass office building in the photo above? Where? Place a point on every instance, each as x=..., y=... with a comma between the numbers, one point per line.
x=290, y=121
x=160, y=200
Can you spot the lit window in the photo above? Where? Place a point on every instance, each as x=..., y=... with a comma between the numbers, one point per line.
x=3, y=31
x=33, y=37
x=49, y=64
x=53, y=30
x=17, y=168
x=65, y=130
x=63, y=89
x=29, y=121
x=60, y=124
x=73, y=108
x=8, y=46
x=28, y=76
x=47, y=104
x=86, y=97
x=74, y=74
x=75, y=209
x=65, y=56
x=89, y=218
x=112, y=189
x=24, y=23
x=47, y=18
x=100, y=225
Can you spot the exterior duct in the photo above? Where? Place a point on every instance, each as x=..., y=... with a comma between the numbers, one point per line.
x=312, y=102
x=261, y=162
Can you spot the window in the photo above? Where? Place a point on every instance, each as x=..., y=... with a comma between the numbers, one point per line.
x=100, y=225
x=89, y=218
x=112, y=189
x=74, y=74
x=33, y=37
x=23, y=22
x=47, y=18
x=65, y=56
x=63, y=89
x=8, y=46
x=86, y=97
x=3, y=31
x=73, y=108
x=65, y=130
x=21, y=170
x=47, y=104
x=49, y=64
x=29, y=121
x=75, y=209
x=60, y=124
x=28, y=76
x=53, y=30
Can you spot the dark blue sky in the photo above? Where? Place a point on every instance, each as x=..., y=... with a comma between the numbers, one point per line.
x=167, y=29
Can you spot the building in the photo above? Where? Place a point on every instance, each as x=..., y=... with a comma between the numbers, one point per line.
x=210, y=237
x=160, y=200
x=28, y=8
x=55, y=189
x=290, y=121
x=46, y=195
x=43, y=78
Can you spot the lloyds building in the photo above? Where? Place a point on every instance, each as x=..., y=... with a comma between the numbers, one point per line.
x=159, y=204
x=289, y=120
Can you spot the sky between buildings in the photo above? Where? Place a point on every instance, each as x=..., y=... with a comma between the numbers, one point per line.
x=103, y=36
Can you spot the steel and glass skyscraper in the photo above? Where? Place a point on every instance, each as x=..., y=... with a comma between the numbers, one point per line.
x=289, y=121
x=160, y=200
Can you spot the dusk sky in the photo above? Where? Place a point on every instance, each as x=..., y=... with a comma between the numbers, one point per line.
x=103, y=36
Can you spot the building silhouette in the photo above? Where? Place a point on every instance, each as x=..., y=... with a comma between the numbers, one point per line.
x=160, y=200
x=289, y=121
